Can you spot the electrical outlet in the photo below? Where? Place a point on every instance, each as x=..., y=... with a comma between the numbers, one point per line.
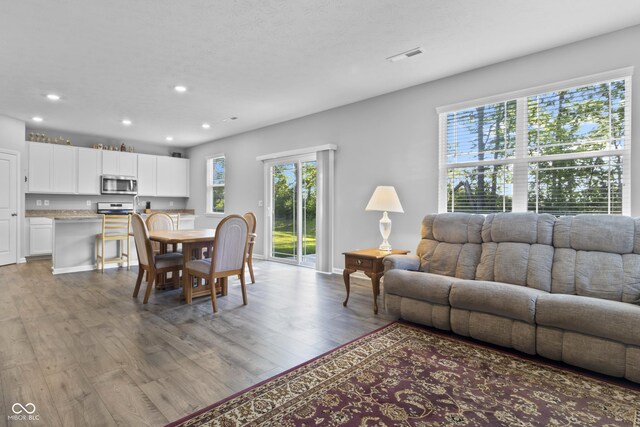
x=46, y=203
x=38, y=202
x=88, y=202
x=260, y=204
x=170, y=203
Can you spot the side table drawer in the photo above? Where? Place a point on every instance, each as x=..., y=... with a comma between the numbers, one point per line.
x=359, y=263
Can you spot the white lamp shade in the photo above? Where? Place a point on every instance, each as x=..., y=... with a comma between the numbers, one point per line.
x=384, y=199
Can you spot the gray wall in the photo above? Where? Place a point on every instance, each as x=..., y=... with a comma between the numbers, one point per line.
x=393, y=140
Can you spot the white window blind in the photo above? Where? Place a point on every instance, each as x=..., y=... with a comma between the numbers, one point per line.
x=216, y=172
x=562, y=151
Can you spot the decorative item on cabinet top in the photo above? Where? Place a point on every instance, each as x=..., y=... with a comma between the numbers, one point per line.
x=123, y=147
x=42, y=137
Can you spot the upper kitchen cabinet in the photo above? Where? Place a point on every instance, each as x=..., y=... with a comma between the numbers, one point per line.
x=89, y=170
x=40, y=167
x=119, y=163
x=147, y=177
x=173, y=177
x=65, y=178
x=52, y=168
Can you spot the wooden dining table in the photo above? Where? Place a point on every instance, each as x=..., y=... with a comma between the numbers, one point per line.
x=193, y=242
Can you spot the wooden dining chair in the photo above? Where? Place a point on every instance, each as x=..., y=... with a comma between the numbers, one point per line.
x=153, y=264
x=159, y=221
x=250, y=217
x=228, y=258
x=114, y=228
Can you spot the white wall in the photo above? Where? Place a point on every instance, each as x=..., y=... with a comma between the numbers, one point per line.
x=12, y=138
x=393, y=140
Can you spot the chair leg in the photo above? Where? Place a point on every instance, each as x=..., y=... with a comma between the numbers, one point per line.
x=138, y=282
x=214, y=301
x=188, y=287
x=147, y=292
x=224, y=286
x=102, y=259
x=244, y=289
x=250, y=264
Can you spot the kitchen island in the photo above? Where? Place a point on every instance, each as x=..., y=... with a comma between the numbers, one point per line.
x=74, y=241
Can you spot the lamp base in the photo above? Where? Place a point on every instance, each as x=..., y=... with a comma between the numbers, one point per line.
x=385, y=230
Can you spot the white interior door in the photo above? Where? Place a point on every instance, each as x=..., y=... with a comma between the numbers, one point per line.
x=8, y=209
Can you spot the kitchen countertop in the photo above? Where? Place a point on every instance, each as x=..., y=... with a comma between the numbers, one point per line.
x=88, y=214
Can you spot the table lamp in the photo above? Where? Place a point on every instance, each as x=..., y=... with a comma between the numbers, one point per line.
x=385, y=199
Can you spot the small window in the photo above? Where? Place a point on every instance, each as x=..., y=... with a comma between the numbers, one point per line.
x=216, y=171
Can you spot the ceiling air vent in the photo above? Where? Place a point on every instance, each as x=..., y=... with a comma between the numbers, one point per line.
x=405, y=55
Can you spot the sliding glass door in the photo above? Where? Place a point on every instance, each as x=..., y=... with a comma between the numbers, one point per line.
x=292, y=204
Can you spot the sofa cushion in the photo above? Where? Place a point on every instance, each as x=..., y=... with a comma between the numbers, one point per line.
x=517, y=249
x=429, y=287
x=450, y=244
x=502, y=299
x=601, y=233
x=611, y=320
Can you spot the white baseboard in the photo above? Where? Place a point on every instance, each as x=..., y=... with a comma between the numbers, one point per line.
x=357, y=274
x=22, y=260
x=258, y=256
x=80, y=268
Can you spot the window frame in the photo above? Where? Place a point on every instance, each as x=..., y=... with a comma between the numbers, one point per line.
x=210, y=186
x=521, y=160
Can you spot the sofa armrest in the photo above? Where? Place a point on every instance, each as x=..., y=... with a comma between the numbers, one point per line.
x=401, y=262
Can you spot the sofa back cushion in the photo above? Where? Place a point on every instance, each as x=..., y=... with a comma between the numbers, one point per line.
x=597, y=256
x=451, y=244
x=517, y=249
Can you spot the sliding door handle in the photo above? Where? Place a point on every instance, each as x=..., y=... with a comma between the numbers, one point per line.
x=14, y=214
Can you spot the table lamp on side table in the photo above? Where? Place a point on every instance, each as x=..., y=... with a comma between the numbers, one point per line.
x=385, y=199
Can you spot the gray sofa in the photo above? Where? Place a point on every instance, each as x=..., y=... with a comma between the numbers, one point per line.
x=565, y=288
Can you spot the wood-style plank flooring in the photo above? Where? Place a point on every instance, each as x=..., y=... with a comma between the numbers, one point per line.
x=86, y=353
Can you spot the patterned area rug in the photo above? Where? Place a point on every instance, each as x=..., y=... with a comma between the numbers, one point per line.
x=405, y=376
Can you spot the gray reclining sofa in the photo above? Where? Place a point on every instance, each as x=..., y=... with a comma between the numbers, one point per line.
x=565, y=288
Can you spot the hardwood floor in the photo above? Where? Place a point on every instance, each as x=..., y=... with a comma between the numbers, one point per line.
x=86, y=353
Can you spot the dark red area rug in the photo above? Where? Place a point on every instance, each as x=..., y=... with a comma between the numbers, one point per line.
x=406, y=376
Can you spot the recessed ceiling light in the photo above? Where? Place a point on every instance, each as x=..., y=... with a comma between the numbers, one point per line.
x=36, y=119
x=126, y=122
x=53, y=97
x=169, y=138
x=206, y=126
x=405, y=55
x=180, y=88
x=230, y=119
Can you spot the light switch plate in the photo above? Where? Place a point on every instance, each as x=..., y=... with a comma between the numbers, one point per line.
x=260, y=204
x=88, y=202
x=170, y=203
x=38, y=202
x=46, y=203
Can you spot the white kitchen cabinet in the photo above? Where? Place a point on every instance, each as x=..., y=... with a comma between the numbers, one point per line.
x=40, y=167
x=119, y=163
x=173, y=177
x=65, y=177
x=89, y=170
x=128, y=164
x=147, y=177
x=40, y=236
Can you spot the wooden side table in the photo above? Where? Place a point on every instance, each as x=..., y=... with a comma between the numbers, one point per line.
x=370, y=262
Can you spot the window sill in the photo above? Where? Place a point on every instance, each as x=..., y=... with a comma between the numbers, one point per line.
x=215, y=214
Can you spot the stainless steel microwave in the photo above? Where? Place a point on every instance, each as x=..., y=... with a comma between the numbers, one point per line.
x=111, y=184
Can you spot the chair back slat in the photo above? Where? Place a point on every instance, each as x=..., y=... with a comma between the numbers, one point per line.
x=230, y=245
x=116, y=225
x=159, y=221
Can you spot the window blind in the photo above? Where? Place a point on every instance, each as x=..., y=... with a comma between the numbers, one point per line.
x=562, y=151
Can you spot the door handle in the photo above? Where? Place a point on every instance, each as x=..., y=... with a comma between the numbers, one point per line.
x=14, y=214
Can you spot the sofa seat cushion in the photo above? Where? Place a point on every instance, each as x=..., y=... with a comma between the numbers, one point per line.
x=613, y=320
x=429, y=287
x=502, y=299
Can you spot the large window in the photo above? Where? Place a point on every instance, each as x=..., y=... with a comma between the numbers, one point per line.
x=563, y=151
x=215, y=184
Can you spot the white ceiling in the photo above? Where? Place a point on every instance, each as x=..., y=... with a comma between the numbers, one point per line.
x=265, y=61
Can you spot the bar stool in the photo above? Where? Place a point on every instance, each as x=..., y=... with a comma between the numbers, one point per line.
x=114, y=228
